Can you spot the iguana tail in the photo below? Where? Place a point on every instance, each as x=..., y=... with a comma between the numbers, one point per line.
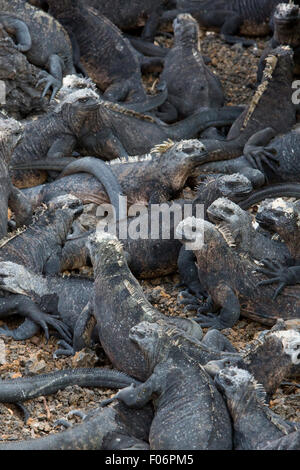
x=272, y=191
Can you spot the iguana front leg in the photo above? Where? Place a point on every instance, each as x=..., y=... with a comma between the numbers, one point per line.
x=54, y=79
x=257, y=153
x=284, y=276
x=229, y=313
x=27, y=308
x=138, y=396
x=62, y=147
x=19, y=30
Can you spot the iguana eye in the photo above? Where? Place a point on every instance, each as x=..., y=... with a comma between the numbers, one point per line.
x=83, y=100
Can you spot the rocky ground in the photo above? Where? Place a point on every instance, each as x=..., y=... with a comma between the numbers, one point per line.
x=236, y=68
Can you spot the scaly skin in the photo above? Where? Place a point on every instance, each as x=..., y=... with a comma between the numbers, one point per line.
x=249, y=17
x=27, y=388
x=238, y=223
x=10, y=135
x=124, y=307
x=20, y=78
x=286, y=20
x=231, y=280
x=271, y=358
x=274, y=94
x=255, y=425
x=50, y=44
x=111, y=428
x=39, y=248
x=190, y=82
x=114, y=66
x=54, y=135
x=189, y=412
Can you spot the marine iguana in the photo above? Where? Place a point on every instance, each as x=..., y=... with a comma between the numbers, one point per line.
x=190, y=82
x=250, y=17
x=111, y=428
x=54, y=52
x=286, y=20
x=276, y=156
x=274, y=93
x=10, y=135
x=124, y=307
x=152, y=258
x=237, y=223
x=189, y=412
x=114, y=66
x=54, y=134
x=20, y=78
x=236, y=226
x=255, y=425
x=157, y=177
x=272, y=357
x=39, y=249
x=231, y=281
x=281, y=217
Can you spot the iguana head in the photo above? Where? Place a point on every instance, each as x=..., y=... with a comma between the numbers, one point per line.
x=230, y=218
x=178, y=160
x=286, y=24
x=105, y=251
x=78, y=106
x=73, y=83
x=279, y=214
x=290, y=340
x=200, y=235
x=240, y=390
x=233, y=186
x=283, y=218
x=186, y=30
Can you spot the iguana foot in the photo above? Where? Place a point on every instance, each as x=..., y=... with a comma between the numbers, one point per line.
x=256, y=157
x=62, y=422
x=278, y=274
x=190, y=301
x=50, y=81
x=67, y=350
x=210, y=320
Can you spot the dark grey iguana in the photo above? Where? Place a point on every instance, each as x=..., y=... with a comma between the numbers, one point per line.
x=231, y=281
x=10, y=135
x=39, y=249
x=249, y=17
x=270, y=358
x=20, y=78
x=55, y=134
x=45, y=41
x=256, y=427
x=149, y=257
x=271, y=107
x=286, y=21
x=114, y=66
x=124, y=307
x=190, y=82
x=281, y=217
x=237, y=223
x=189, y=412
x=156, y=177
x=110, y=428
